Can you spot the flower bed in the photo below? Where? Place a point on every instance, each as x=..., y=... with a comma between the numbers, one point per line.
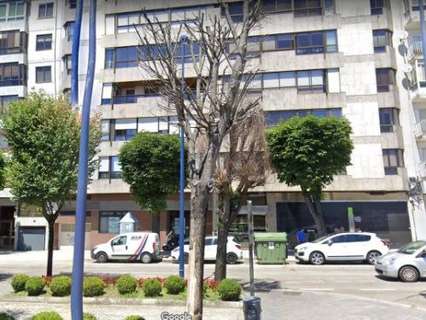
x=126, y=286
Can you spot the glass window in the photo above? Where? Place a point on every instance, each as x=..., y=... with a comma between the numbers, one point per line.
x=109, y=222
x=236, y=11
x=67, y=63
x=120, y=241
x=311, y=42
x=105, y=130
x=312, y=80
x=303, y=8
x=126, y=57
x=69, y=30
x=125, y=129
x=115, y=168
x=388, y=119
x=331, y=41
x=11, y=74
x=271, y=80
x=284, y=41
x=385, y=78
x=44, y=42
x=3, y=11
x=392, y=160
x=376, y=7
x=274, y=117
x=43, y=74
x=381, y=39
x=287, y=79
x=45, y=10
x=109, y=58
x=16, y=10
x=357, y=238
x=340, y=239
x=5, y=101
x=272, y=6
x=11, y=42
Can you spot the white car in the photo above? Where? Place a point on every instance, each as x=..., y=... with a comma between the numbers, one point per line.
x=407, y=264
x=134, y=246
x=233, y=250
x=357, y=246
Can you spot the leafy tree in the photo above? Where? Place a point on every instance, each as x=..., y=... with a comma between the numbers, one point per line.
x=150, y=165
x=43, y=134
x=308, y=152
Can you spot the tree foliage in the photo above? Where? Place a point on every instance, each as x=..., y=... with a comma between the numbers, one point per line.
x=308, y=152
x=43, y=134
x=150, y=165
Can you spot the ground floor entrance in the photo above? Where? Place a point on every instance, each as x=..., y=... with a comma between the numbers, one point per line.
x=7, y=227
x=388, y=219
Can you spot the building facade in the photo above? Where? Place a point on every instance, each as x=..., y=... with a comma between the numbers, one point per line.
x=355, y=59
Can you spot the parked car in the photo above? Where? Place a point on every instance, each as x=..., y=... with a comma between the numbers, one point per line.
x=357, y=246
x=407, y=264
x=233, y=250
x=135, y=246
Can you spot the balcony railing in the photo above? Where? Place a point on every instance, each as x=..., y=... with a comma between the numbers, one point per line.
x=415, y=46
x=127, y=99
x=420, y=129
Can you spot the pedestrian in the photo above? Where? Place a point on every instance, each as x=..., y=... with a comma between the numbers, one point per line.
x=300, y=236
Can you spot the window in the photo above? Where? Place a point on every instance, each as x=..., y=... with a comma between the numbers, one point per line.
x=310, y=80
x=43, y=74
x=340, y=239
x=5, y=101
x=388, y=119
x=12, y=10
x=392, y=160
x=303, y=8
x=126, y=57
x=235, y=11
x=12, y=42
x=385, y=78
x=124, y=129
x=44, y=42
x=377, y=7
x=381, y=39
x=11, y=74
x=285, y=41
x=273, y=6
x=69, y=30
x=357, y=238
x=316, y=42
x=109, y=168
x=45, y=10
x=67, y=63
x=273, y=118
x=109, y=222
x=72, y=4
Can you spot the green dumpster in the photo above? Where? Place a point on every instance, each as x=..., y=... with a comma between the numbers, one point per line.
x=271, y=247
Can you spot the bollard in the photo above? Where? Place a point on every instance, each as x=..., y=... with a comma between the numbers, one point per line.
x=252, y=308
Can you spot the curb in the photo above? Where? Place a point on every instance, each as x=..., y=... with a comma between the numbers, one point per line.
x=122, y=301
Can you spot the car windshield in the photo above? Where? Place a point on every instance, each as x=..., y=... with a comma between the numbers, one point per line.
x=320, y=239
x=412, y=247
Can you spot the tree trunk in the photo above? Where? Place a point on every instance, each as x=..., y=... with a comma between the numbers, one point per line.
x=51, y=233
x=222, y=236
x=314, y=207
x=199, y=207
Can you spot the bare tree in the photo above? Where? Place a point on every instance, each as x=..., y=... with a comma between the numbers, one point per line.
x=240, y=169
x=207, y=107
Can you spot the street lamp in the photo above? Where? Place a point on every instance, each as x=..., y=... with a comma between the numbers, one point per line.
x=183, y=40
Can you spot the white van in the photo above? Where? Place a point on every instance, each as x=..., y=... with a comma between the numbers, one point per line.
x=134, y=246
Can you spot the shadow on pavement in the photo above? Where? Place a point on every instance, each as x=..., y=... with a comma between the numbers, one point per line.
x=5, y=276
x=381, y=277
x=262, y=286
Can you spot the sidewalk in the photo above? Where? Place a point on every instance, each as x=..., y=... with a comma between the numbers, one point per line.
x=36, y=256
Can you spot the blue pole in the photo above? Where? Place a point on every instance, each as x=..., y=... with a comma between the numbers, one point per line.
x=78, y=261
x=183, y=39
x=75, y=52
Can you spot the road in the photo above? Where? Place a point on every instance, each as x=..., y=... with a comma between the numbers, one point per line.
x=291, y=291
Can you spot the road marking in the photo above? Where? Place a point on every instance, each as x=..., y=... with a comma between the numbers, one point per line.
x=317, y=289
x=377, y=289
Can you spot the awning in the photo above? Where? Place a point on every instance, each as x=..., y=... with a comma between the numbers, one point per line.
x=256, y=210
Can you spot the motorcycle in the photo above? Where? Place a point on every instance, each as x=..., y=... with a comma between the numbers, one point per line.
x=172, y=242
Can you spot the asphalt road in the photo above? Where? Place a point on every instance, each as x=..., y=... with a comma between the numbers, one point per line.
x=293, y=291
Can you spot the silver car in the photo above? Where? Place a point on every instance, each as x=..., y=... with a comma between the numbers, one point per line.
x=407, y=264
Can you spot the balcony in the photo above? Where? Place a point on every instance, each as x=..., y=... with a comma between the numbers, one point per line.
x=420, y=130
x=412, y=15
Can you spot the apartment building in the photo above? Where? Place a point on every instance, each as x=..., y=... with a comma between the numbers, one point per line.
x=324, y=57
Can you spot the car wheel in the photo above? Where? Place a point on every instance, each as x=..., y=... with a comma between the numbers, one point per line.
x=317, y=258
x=146, y=257
x=101, y=257
x=372, y=256
x=231, y=258
x=408, y=274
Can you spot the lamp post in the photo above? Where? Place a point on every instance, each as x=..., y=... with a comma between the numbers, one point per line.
x=183, y=40
x=78, y=259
